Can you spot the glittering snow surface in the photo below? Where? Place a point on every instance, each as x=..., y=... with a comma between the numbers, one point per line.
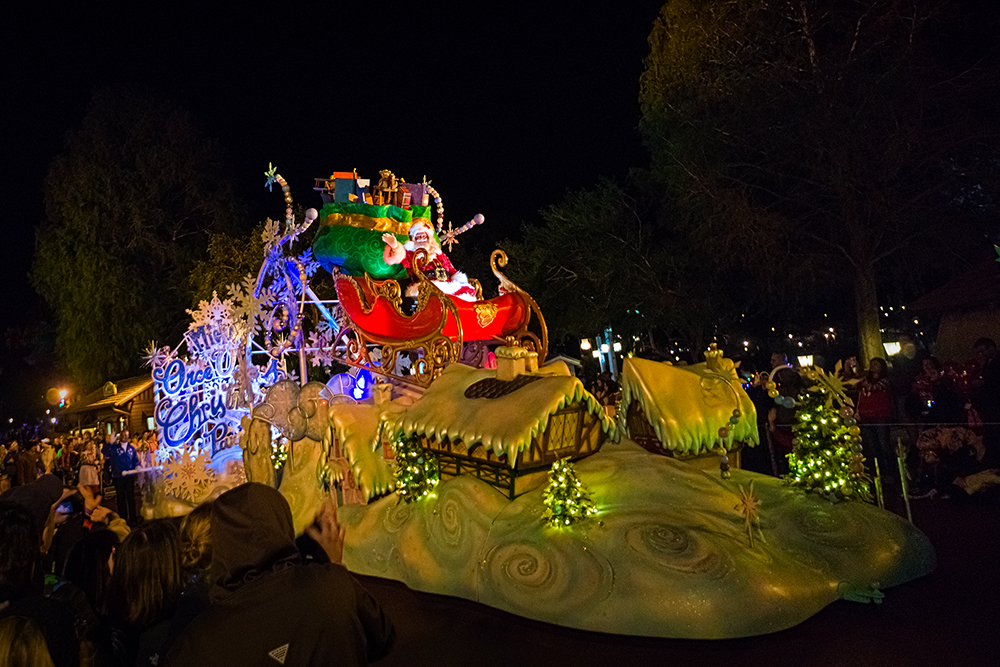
x=667, y=555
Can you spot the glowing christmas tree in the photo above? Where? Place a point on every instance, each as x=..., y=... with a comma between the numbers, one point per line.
x=417, y=470
x=826, y=455
x=566, y=500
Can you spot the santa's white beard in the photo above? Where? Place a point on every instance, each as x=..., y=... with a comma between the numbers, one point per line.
x=431, y=249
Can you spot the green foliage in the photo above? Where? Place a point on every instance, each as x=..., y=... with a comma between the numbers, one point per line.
x=417, y=470
x=823, y=141
x=279, y=452
x=826, y=456
x=603, y=257
x=577, y=261
x=130, y=205
x=566, y=500
x=229, y=260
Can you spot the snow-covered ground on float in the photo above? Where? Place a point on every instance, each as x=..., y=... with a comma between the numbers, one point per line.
x=668, y=555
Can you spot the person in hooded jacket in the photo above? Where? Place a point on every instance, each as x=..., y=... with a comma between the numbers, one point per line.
x=268, y=605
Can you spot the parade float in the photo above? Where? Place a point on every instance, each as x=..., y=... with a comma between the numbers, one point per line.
x=463, y=464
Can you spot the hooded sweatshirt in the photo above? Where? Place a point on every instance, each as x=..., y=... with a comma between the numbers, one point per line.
x=268, y=607
x=38, y=497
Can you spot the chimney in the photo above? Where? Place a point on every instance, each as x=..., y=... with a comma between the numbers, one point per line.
x=511, y=360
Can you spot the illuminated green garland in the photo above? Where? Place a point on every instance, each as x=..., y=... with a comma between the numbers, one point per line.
x=417, y=470
x=565, y=498
x=826, y=456
x=279, y=452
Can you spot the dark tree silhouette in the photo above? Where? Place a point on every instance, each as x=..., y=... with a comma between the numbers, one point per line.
x=847, y=145
x=130, y=205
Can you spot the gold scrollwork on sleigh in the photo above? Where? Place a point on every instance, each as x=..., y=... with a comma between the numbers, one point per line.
x=485, y=313
x=527, y=339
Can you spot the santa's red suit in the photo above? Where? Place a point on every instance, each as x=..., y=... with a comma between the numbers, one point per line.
x=439, y=270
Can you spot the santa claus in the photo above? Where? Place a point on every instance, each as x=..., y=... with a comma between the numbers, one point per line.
x=437, y=268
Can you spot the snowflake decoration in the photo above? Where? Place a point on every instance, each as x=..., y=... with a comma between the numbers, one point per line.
x=215, y=314
x=270, y=235
x=449, y=237
x=235, y=473
x=272, y=176
x=309, y=263
x=158, y=357
x=248, y=309
x=321, y=342
x=187, y=478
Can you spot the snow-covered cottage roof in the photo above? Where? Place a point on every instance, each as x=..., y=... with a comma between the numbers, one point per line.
x=507, y=415
x=687, y=405
x=356, y=425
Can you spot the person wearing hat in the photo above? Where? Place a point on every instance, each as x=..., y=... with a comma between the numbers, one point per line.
x=39, y=497
x=438, y=268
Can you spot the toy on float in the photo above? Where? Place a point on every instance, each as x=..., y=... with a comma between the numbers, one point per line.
x=510, y=486
x=372, y=238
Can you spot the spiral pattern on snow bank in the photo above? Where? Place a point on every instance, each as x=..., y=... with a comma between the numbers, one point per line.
x=451, y=530
x=819, y=524
x=395, y=518
x=547, y=579
x=447, y=529
x=676, y=548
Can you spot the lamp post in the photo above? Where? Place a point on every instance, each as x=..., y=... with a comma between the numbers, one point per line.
x=603, y=349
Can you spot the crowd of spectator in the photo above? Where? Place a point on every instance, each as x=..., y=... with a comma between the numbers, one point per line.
x=945, y=417
x=229, y=584
x=88, y=460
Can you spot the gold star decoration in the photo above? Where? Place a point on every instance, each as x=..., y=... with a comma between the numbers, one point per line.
x=834, y=386
x=749, y=507
x=449, y=237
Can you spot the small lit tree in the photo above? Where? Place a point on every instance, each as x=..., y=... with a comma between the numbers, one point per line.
x=565, y=498
x=826, y=455
x=417, y=470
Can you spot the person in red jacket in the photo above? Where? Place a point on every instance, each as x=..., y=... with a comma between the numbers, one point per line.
x=438, y=268
x=876, y=410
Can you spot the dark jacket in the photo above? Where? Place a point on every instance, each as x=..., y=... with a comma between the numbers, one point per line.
x=28, y=466
x=122, y=459
x=268, y=606
x=38, y=497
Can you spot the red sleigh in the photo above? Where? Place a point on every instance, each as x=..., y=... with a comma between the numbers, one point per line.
x=438, y=328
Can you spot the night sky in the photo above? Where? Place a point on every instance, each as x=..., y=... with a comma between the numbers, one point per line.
x=504, y=109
